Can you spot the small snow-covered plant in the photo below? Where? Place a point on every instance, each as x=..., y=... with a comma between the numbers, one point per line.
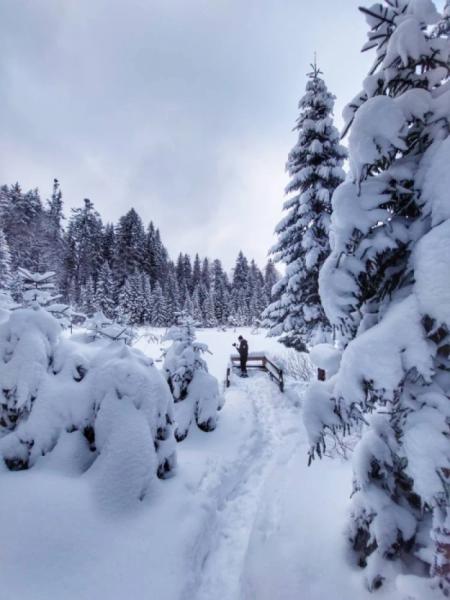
x=28, y=340
x=297, y=365
x=233, y=322
x=256, y=326
x=99, y=326
x=65, y=314
x=133, y=424
x=38, y=288
x=195, y=391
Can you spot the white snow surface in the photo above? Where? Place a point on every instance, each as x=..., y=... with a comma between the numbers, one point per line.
x=243, y=519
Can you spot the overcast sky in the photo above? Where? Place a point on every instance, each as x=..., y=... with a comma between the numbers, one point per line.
x=182, y=109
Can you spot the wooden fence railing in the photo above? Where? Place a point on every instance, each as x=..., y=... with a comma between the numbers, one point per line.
x=257, y=361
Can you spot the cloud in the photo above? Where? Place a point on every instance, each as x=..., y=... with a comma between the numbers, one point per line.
x=182, y=108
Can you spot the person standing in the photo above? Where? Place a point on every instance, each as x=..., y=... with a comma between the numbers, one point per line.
x=243, y=354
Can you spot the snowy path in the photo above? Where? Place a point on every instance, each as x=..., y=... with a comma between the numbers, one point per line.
x=220, y=555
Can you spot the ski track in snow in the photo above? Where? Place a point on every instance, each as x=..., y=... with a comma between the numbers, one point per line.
x=219, y=552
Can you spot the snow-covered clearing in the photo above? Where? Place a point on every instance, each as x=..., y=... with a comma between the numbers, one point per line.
x=243, y=519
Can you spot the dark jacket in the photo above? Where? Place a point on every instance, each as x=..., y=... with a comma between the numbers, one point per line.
x=243, y=349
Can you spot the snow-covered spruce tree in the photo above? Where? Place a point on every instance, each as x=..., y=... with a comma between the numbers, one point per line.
x=195, y=391
x=6, y=301
x=87, y=297
x=84, y=248
x=158, y=307
x=315, y=168
x=129, y=248
x=271, y=277
x=219, y=285
x=105, y=291
x=385, y=288
x=37, y=288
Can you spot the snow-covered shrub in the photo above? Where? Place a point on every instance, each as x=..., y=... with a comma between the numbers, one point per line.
x=132, y=423
x=295, y=365
x=59, y=399
x=99, y=326
x=111, y=394
x=38, y=288
x=385, y=288
x=126, y=374
x=195, y=391
x=28, y=341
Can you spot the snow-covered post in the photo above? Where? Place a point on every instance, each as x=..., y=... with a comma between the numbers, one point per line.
x=195, y=391
x=326, y=358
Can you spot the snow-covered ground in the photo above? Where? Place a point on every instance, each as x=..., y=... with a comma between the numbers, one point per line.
x=243, y=519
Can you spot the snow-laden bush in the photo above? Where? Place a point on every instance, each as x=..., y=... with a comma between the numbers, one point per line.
x=195, y=391
x=28, y=340
x=294, y=364
x=125, y=376
x=108, y=394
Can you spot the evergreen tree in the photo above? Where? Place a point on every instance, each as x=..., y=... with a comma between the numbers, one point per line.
x=146, y=300
x=172, y=294
x=156, y=258
x=131, y=301
x=196, y=306
x=5, y=263
x=108, y=244
x=188, y=307
x=206, y=274
x=21, y=217
x=87, y=302
x=196, y=272
x=380, y=289
x=271, y=277
x=159, y=307
x=187, y=273
x=314, y=165
x=105, y=292
x=258, y=298
x=240, y=294
x=220, y=292
x=84, y=249
x=52, y=238
x=195, y=391
x=129, y=246
x=209, y=316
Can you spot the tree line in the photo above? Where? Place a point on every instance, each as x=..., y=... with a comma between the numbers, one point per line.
x=123, y=269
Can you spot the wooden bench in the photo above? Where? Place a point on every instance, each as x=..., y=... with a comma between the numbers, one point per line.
x=257, y=361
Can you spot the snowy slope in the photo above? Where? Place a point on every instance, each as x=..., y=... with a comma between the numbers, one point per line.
x=244, y=518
